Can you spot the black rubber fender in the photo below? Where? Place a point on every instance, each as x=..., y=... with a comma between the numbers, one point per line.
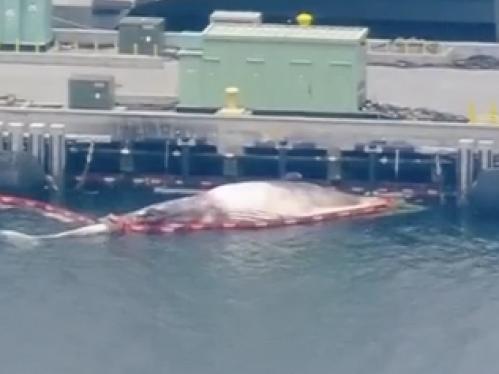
x=484, y=194
x=21, y=174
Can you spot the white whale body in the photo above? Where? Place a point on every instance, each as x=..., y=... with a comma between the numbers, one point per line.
x=251, y=201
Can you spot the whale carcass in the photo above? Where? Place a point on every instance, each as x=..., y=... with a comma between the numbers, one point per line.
x=237, y=205
x=250, y=205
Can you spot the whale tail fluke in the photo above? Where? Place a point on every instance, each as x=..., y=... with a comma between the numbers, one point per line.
x=18, y=239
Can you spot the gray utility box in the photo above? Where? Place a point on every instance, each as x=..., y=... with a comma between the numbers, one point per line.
x=141, y=35
x=91, y=92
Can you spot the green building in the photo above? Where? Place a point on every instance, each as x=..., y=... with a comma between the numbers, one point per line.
x=26, y=23
x=276, y=67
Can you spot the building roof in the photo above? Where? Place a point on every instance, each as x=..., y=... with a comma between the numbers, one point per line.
x=325, y=34
x=91, y=77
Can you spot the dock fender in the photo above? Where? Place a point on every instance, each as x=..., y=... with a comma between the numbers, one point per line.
x=21, y=174
x=484, y=194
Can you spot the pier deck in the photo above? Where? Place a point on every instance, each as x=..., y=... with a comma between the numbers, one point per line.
x=436, y=88
x=449, y=90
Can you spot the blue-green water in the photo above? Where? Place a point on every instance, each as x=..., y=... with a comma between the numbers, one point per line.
x=414, y=294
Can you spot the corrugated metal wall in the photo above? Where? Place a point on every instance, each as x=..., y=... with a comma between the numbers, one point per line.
x=296, y=76
x=190, y=78
x=25, y=22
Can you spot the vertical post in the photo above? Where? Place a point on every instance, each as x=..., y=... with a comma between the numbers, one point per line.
x=185, y=160
x=396, y=164
x=6, y=138
x=126, y=159
x=282, y=161
x=3, y=135
x=167, y=156
x=372, y=171
x=493, y=114
x=438, y=177
x=37, y=142
x=18, y=45
x=372, y=152
x=135, y=49
x=16, y=130
x=57, y=162
x=472, y=114
x=156, y=50
x=230, y=166
x=465, y=169
x=333, y=170
x=486, y=154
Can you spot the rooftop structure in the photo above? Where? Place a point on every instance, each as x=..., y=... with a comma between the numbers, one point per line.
x=286, y=68
x=291, y=33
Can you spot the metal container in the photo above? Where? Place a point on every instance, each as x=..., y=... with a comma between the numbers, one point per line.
x=36, y=25
x=10, y=22
x=91, y=92
x=143, y=36
x=26, y=23
x=279, y=68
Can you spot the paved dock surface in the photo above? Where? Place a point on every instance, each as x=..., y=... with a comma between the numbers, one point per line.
x=48, y=84
x=450, y=90
x=441, y=89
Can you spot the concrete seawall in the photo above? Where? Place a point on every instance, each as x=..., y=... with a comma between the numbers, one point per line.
x=234, y=132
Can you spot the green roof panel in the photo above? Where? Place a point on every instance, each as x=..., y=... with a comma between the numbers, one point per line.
x=320, y=34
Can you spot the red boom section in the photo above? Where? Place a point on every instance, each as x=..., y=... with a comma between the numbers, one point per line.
x=47, y=210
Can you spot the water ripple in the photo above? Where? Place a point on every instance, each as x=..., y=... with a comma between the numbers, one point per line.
x=393, y=295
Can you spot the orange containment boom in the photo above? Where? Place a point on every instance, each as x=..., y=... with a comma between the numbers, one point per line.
x=132, y=225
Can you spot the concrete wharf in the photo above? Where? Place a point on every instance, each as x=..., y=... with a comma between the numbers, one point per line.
x=35, y=89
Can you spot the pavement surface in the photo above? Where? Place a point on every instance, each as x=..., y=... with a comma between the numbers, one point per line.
x=449, y=90
x=48, y=84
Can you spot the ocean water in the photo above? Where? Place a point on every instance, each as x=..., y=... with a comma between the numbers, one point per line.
x=406, y=294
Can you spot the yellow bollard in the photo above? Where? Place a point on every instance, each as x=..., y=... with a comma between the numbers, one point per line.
x=304, y=19
x=231, y=102
x=493, y=114
x=231, y=98
x=472, y=116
